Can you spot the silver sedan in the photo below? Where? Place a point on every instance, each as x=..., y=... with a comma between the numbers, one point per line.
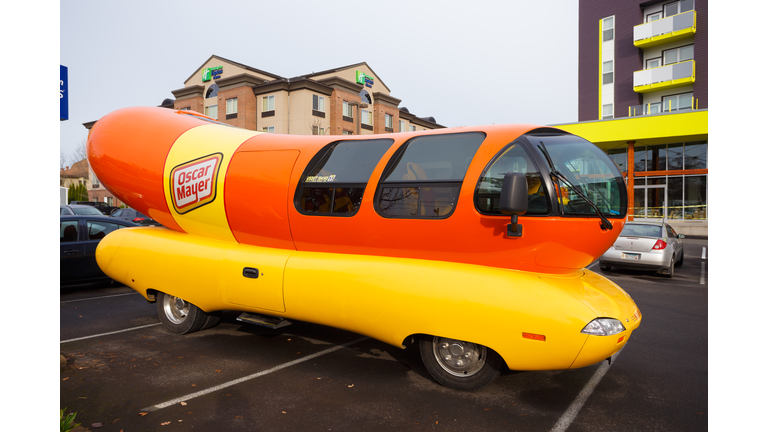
x=646, y=246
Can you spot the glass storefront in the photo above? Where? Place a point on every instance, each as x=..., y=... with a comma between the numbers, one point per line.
x=681, y=197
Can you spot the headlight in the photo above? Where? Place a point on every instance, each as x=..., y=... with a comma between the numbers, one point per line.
x=603, y=327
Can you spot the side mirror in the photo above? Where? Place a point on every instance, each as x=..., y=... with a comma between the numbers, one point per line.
x=681, y=236
x=514, y=200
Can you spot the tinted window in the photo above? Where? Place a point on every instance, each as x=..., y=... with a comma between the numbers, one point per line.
x=335, y=179
x=511, y=159
x=424, y=178
x=86, y=211
x=68, y=231
x=98, y=229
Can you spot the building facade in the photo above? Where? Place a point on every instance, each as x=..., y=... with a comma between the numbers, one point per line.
x=350, y=100
x=643, y=79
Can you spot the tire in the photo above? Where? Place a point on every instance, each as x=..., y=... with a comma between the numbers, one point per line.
x=680, y=261
x=671, y=269
x=179, y=316
x=458, y=364
x=211, y=320
x=605, y=267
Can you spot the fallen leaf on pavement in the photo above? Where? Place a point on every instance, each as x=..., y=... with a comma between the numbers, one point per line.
x=183, y=403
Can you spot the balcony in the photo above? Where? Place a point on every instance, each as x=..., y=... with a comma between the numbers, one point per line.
x=680, y=104
x=664, y=77
x=670, y=29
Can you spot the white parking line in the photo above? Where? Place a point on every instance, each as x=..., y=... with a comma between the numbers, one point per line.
x=247, y=378
x=704, y=253
x=573, y=410
x=97, y=298
x=110, y=333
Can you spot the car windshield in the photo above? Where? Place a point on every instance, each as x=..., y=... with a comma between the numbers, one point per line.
x=86, y=211
x=587, y=168
x=633, y=230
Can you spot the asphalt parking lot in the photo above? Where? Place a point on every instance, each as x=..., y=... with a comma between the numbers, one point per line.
x=125, y=372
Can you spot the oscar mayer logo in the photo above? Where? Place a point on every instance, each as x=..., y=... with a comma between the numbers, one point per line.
x=193, y=184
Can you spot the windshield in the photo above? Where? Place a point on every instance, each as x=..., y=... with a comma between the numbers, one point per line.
x=86, y=211
x=587, y=168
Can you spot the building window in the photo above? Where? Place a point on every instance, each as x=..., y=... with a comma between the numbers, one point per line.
x=403, y=127
x=608, y=72
x=268, y=103
x=677, y=102
x=346, y=132
x=424, y=177
x=213, y=91
x=653, y=17
x=318, y=106
x=270, y=129
x=607, y=29
x=388, y=120
x=317, y=130
x=318, y=103
x=347, y=112
x=677, y=55
x=232, y=106
x=412, y=128
x=366, y=117
x=608, y=111
x=653, y=63
x=677, y=7
x=336, y=177
x=212, y=111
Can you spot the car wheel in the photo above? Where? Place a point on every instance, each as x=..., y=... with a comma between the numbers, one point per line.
x=458, y=364
x=680, y=261
x=178, y=315
x=671, y=269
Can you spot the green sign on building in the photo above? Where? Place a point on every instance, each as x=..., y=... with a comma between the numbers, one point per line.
x=364, y=78
x=212, y=73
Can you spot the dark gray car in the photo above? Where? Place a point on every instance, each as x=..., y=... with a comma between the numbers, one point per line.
x=79, y=235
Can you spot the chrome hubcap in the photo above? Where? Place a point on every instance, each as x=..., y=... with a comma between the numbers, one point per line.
x=176, y=309
x=458, y=358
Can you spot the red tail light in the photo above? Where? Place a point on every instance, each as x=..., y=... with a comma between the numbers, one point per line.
x=660, y=244
x=138, y=219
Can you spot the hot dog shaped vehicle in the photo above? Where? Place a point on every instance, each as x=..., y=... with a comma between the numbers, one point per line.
x=471, y=239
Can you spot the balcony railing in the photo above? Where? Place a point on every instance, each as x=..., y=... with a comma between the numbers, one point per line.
x=680, y=105
x=664, y=77
x=670, y=29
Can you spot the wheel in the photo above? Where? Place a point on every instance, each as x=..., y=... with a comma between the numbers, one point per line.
x=671, y=269
x=680, y=261
x=211, y=320
x=458, y=364
x=179, y=316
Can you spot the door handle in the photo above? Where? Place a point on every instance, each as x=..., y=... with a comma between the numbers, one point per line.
x=70, y=252
x=250, y=272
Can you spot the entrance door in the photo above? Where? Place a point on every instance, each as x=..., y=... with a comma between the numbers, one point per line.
x=650, y=202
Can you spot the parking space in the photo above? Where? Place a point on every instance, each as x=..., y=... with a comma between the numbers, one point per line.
x=127, y=373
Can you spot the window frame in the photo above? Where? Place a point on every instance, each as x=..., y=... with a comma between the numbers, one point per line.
x=394, y=162
x=545, y=182
x=611, y=28
x=320, y=158
x=678, y=49
x=267, y=104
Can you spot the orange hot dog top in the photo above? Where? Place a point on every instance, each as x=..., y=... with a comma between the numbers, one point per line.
x=198, y=176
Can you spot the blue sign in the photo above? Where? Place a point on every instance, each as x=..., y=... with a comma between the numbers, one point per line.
x=63, y=94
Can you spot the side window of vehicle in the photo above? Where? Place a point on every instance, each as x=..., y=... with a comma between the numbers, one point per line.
x=334, y=181
x=512, y=159
x=97, y=230
x=68, y=231
x=117, y=213
x=424, y=177
x=671, y=232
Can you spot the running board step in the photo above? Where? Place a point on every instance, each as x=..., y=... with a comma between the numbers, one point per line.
x=263, y=320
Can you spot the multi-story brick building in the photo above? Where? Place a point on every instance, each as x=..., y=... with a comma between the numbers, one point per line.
x=350, y=100
x=643, y=98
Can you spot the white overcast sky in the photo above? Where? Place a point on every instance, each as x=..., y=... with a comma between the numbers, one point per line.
x=463, y=62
